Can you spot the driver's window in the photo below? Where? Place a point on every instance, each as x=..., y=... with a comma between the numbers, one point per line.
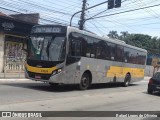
x=74, y=45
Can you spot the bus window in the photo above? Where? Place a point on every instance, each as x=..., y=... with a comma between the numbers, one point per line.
x=100, y=49
x=131, y=56
x=143, y=58
x=126, y=54
x=137, y=57
x=74, y=45
x=134, y=56
x=75, y=48
x=112, y=50
x=107, y=51
x=119, y=53
x=89, y=47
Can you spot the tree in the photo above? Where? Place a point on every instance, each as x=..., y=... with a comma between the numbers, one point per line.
x=123, y=35
x=113, y=34
x=151, y=44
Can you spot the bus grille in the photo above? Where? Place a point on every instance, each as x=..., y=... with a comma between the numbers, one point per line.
x=43, y=76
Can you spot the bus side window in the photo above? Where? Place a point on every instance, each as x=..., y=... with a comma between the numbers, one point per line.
x=107, y=51
x=112, y=51
x=143, y=58
x=131, y=56
x=119, y=53
x=99, y=49
x=134, y=57
x=126, y=54
x=74, y=46
x=89, y=47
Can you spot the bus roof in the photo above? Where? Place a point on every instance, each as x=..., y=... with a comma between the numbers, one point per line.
x=116, y=41
x=91, y=34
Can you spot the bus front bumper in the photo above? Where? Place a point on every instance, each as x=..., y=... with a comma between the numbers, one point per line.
x=57, y=78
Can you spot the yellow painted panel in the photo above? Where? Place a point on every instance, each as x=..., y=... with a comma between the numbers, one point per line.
x=40, y=70
x=121, y=72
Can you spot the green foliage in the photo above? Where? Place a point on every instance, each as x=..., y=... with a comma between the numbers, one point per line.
x=113, y=34
x=151, y=44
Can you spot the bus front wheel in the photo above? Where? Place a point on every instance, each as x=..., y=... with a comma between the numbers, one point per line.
x=53, y=84
x=85, y=82
x=127, y=80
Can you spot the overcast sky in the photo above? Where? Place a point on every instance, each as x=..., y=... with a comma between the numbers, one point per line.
x=146, y=21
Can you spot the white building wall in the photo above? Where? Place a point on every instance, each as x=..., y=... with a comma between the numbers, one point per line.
x=149, y=70
x=2, y=38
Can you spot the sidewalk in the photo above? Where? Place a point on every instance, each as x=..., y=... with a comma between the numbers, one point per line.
x=146, y=77
x=19, y=75
x=12, y=77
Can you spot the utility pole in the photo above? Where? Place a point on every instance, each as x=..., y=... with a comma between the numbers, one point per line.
x=82, y=19
x=85, y=10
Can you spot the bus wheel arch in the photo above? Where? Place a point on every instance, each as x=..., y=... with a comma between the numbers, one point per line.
x=86, y=80
x=127, y=79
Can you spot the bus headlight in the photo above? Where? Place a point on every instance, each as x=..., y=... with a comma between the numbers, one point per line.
x=57, y=71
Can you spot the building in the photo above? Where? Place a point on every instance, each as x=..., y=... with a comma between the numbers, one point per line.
x=13, y=34
x=150, y=58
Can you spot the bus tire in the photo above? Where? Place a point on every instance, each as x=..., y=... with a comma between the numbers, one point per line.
x=127, y=80
x=54, y=84
x=85, y=82
x=149, y=91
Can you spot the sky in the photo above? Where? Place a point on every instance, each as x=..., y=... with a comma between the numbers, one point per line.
x=145, y=21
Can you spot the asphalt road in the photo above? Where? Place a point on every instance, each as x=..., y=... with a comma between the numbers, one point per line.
x=37, y=96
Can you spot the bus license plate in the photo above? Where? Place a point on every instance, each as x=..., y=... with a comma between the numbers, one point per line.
x=37, y=76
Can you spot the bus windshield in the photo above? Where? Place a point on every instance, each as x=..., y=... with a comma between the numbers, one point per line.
x=47, y=48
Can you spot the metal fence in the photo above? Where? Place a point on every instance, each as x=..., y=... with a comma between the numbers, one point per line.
x=13, y=68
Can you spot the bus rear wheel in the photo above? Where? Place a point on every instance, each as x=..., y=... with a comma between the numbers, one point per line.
x=85, y=82
x=127, y=80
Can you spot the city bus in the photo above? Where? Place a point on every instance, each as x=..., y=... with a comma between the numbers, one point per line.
x=66, y=55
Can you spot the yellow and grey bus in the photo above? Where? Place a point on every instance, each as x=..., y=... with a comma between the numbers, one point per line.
x=66, y=55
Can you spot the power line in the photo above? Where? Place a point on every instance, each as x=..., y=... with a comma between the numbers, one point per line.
x=22, y=9
x=127, y=11
x=36, y=17
x=54, y=4
x=153, y=13
x=42, y=7
x=85, y=10
x=132, y=25
x=34, y=5
x=124, y=6
x=44, y=15
x=100, y=12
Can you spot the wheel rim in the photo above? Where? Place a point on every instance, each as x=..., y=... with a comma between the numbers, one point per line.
x=84, y=82
x=127, y=79
x=127, y=82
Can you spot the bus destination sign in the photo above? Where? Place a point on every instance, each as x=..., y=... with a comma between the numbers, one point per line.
x=47, y=29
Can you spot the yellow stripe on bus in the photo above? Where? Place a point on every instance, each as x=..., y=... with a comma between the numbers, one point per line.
x=122, y=71
x=40, y=70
